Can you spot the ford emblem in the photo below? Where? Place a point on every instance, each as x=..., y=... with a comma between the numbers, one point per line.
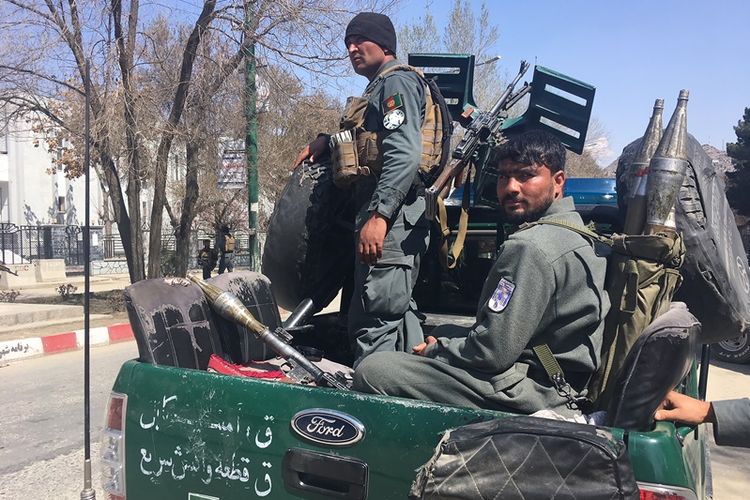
x=330, y=427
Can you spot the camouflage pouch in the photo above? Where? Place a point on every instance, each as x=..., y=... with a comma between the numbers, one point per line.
x=345, y=158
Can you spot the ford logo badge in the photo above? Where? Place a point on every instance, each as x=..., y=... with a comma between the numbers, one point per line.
x=329, y=427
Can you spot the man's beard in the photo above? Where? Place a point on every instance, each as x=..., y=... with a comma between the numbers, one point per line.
x=528, y=215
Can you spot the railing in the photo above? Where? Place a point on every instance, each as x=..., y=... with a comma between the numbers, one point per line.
x=25, y=244
x=22, y=244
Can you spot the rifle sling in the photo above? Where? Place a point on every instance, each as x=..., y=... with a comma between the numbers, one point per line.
x=449, y=258
x=556, y=375
x=582, y=230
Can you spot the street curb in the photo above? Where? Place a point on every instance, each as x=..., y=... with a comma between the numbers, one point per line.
x=13, y=350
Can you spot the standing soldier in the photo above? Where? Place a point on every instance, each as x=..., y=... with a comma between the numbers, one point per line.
x=207, y=258
x=226, y=243
x=386, y=137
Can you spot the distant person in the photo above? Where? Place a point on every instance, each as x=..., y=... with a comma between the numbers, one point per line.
x=226, y=246
x=207, y=258
x=731, y=418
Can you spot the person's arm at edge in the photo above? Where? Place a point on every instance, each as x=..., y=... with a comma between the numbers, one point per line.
x=731, y=418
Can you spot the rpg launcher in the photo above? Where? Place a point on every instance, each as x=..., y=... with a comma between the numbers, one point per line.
x=481, y=127
x=230, y=307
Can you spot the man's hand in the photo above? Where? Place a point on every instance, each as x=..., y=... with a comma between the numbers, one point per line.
x=371, y=236
x=312, y=151
x=419, y=349
x=681, y=408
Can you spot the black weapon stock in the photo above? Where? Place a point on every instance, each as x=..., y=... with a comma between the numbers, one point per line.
x=479, y=129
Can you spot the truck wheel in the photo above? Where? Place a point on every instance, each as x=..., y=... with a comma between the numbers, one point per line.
x=736, y=350
x=309, y=249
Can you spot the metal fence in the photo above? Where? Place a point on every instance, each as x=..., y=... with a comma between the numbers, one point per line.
x=22, y=244
x=25, y=244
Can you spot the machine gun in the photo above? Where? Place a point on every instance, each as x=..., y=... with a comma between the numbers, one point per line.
x=229, y=306
x=481, y=127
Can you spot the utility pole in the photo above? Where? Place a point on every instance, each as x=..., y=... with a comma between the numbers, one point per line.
x=88, y=492
x=251, y=140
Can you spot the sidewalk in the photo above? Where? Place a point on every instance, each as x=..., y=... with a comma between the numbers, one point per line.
x=31, y=329
x=34, y=329
x=99, y=283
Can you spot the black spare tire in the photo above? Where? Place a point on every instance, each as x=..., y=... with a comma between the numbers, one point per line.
x=736, y=350
x=309, y=249
x=716, y=285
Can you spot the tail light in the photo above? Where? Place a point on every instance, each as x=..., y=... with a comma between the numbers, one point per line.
x=650, y=491
x=113, y=448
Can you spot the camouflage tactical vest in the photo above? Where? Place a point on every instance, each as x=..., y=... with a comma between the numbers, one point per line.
x=362, y=154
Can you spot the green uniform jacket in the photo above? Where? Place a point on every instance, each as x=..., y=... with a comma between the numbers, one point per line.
x=546, y=287
x=401, y=148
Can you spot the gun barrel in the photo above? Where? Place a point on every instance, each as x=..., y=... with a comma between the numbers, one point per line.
x=479, y=131
x=504, y=97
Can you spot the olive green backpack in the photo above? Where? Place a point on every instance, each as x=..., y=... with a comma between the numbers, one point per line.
x=643, y=274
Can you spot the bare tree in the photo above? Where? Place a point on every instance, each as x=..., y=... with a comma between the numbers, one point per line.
x=465, y=33
x=132, y=138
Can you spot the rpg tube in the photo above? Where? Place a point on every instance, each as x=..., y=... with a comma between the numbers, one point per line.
x=230, y=307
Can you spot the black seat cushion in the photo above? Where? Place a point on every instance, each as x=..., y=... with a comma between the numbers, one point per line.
x=172, y=323
x=254, y=290
x=659, y=359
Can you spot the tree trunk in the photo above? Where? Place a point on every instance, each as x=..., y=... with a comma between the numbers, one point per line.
x=187, y=215
x=133, y=254
x=162, y=155
x=125, y=46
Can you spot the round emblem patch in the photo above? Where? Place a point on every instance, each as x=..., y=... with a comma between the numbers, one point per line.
x=393, y=119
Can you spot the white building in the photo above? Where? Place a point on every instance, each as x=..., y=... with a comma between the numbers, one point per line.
x=29, y=194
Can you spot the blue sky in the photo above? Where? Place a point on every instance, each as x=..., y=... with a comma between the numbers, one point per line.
x=632, y=52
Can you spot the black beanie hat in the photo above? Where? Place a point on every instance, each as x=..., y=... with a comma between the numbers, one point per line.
x=375, y=27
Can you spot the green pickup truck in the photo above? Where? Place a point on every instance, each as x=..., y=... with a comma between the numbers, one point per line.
x=175, y=430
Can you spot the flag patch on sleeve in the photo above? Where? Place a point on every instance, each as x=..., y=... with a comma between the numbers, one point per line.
x=501, y=296
x=392, y=102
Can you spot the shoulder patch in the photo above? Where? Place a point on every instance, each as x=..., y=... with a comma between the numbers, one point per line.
x=392, y=102
x=394, y=119
x=501, y=296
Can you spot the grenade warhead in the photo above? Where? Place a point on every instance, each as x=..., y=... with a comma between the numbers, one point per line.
x=637, y=176
x=229, y=306
x=667, y=170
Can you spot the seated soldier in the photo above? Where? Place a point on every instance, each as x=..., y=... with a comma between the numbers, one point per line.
x=546, y=287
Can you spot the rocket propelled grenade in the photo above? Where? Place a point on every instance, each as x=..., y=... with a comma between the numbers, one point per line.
x=637, y=178
x=229, y=306
x=667, y=170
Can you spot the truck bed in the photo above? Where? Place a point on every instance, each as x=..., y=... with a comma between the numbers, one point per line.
x=201, y=435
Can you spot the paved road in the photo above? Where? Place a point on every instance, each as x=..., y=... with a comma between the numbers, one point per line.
x=41, y=417
x=41, y=424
